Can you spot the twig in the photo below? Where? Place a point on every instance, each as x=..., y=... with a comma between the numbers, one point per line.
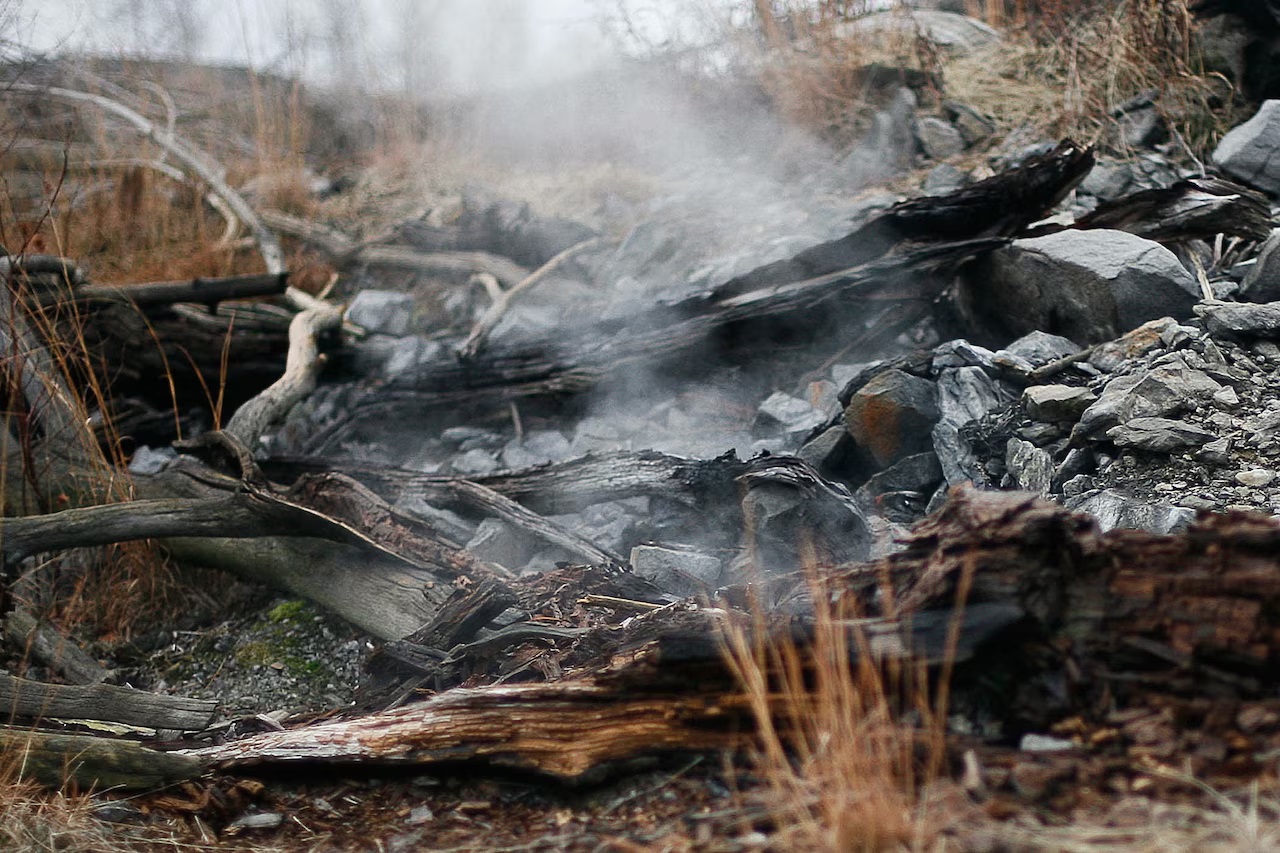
x=480, y=333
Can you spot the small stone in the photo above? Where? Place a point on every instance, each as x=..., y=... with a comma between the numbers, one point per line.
x=1255, y=477
x=674, y=571
x=1227, y=398
x=1057, y=402
x=1044, y=743
x=420, y=815
x=258, y=821
x=939, y=138
x=383, y=311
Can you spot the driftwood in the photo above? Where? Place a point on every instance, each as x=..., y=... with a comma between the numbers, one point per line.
x=22, y=698
x=199, y=290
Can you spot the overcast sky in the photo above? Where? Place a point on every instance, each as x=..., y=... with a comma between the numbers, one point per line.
x=453, y=45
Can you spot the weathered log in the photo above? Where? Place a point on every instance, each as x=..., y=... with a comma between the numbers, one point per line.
x=93, y=763
x=41, y=643
x=32, y=699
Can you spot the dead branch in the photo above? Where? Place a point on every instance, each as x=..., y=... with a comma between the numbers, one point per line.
x=344, y=251
x=197, y=162
x=484, y=326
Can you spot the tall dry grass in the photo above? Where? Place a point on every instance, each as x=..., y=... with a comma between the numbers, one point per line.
x=1062, y=69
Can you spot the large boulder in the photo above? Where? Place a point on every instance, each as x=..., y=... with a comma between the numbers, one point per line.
x=1251, y=151
x=1089, y=286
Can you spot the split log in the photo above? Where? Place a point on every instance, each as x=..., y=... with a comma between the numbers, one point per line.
x=564, y=730
x=93, y=763
x=32, y=699
x=999, y=206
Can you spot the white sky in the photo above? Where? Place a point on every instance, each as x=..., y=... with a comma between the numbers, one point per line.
x=452, y=45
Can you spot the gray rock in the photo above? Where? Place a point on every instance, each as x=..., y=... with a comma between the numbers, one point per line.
x=496, y=541
x=447, y=522
x=1107, y=180
x=678, y=572
x=844, y=374
x=475, y=461
x=1039, y=348
x=1216, y=452
x=1255, y=477
x=957, y=34
x=973, y=125
x=1159, y=435
x=1141, y=127
x=965, y=394
x=1262, y=280
x=916, y=477
x=1247, y=319
x=961, y=353
x=1089, y=286
x=1057, y=403
x=1168, y=389
x=148, y=461
x=892, y=414
x=939, y=139
x=819, y=451
x=1113, y=509
x=408, y=353
x=795, y=416
x=1251, y=151
x=1030, y=468
x=538, y=447
x=944, y=179
x=1077, y=461
x=255, y=821
x=383, y=311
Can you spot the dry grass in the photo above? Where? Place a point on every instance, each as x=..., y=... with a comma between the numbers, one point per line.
x=1062, y=69
x=846, y=750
